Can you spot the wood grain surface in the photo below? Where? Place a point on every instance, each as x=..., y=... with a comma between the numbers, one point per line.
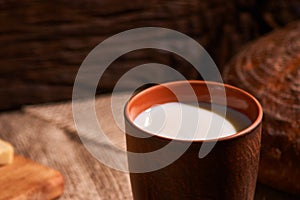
x=46, y=134
x=28, y=180
x=85, y=177
x=43, y=43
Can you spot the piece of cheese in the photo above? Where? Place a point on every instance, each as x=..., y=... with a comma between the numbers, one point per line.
x=6, y=153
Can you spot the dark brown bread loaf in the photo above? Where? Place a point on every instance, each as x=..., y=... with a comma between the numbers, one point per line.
x=269, y=68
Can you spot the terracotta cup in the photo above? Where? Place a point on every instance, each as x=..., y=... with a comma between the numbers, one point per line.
x=228, y=171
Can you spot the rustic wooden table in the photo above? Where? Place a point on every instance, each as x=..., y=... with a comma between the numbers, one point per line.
x=47, y=134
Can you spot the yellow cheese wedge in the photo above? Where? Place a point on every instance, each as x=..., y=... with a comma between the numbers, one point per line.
x=6, y=153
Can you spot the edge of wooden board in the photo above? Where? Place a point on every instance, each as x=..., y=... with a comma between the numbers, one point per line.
x=25, y=179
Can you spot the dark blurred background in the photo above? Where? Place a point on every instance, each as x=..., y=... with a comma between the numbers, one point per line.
x=43, y=43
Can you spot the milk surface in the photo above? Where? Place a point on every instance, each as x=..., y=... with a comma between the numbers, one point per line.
x=182, y=121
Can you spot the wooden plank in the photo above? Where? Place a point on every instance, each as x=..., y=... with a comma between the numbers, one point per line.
x=42, y=51
x=25, y=179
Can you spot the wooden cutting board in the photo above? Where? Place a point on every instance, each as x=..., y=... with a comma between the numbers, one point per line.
x=25, y=179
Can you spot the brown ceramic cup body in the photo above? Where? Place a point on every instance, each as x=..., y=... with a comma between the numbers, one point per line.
x=229, y=171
